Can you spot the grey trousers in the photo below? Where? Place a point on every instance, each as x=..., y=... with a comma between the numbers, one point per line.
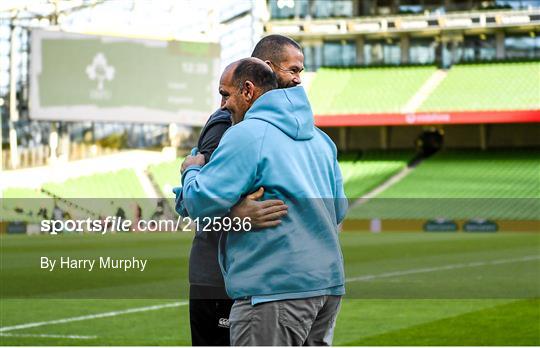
x=301, y=322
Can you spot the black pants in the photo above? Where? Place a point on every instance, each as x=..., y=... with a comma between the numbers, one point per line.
x=209, y=310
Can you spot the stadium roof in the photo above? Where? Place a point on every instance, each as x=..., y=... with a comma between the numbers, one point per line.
x=43, y=8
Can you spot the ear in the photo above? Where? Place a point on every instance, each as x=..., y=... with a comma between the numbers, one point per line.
x=248, y=91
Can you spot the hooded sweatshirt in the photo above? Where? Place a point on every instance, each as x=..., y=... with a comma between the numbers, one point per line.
x=278, y=147
x=204, y=268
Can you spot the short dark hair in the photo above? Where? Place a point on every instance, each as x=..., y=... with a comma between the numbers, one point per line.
x=255, y=71
x=272, y=48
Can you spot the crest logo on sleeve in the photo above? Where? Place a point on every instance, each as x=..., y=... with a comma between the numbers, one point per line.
x=224, y=322
x=100, y=71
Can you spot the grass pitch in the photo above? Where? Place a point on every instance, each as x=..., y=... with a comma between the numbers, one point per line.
x=402, y=289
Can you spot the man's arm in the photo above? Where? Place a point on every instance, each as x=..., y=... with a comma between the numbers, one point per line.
x=262, y=214
x=211, y=138
x=208, y=142
x=341, y=202
x=214, y=189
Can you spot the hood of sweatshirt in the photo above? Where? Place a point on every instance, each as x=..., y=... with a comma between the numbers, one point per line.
x=287, y=109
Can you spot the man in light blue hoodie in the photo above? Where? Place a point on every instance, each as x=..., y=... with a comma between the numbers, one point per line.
x=288, y=280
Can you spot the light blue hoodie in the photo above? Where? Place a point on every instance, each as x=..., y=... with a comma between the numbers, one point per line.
x=278, y=147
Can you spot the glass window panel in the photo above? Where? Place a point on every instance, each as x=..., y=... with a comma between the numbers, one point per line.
x=317, y=56
x=422, y=51
x=339, y=53
x=301, y=8
x=280, y=12
x=337, y=8
x=392, y=53
x=522, y=46
x=309, y=59
x=332, y=53
x=518, y=4
x=349, y=53
x=382, y=52
x=475, y=47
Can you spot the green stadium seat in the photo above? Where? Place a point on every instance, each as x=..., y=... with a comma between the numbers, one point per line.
x=23, y=204
x=365, y=90
x=103, y=193
x=464, y=184
x=502, y=86
x=166, y=175
x=372, y=169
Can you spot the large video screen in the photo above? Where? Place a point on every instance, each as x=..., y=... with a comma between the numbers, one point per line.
x=76, y=77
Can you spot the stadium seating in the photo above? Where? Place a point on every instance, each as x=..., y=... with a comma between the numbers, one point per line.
x=365, y=90
x=166, y=175
x=372, y=169
x=463, y=184
x=457, y=184
x=33, y=205
x=120, y=184
x=22, y=193
x=121, y=187
x=23, y=204
x=464, y=174
x=503, y=86
x=359, y=174
x=96, y=194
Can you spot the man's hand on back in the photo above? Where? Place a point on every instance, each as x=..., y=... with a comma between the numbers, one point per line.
x=197, y=160
x=263, y=214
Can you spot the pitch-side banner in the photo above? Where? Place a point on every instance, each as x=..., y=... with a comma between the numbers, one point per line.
x=77, y=77
x=427, y=118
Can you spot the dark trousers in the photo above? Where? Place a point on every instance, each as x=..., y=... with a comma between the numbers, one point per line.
x=209, y=309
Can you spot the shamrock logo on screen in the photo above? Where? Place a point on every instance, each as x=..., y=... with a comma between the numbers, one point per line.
x=100, y=71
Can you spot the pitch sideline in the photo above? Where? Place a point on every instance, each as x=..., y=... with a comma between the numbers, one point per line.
x=442, y=268
x=183, y=303
x=73, y=337
x=93, y=316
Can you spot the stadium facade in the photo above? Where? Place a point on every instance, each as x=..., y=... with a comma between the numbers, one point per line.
x=389, y=74
x=26, y=139
x=349, y=33
x=379, y=73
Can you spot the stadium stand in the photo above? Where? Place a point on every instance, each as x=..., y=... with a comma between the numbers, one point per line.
x=501, y=86
x=372, y=169
x=365, y=90
x=17, y=192
x=32, y=205
x=23, y=204
x=120, y=184
x=461, y=184
x=166, y=175
x=465, y=88
x=360, y=173
x=121, y=187
x=464, y=174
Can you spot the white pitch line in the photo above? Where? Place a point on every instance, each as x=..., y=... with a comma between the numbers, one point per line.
x=75, y=337
x=354, y=279
x=93, y=316
x=441, y=268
